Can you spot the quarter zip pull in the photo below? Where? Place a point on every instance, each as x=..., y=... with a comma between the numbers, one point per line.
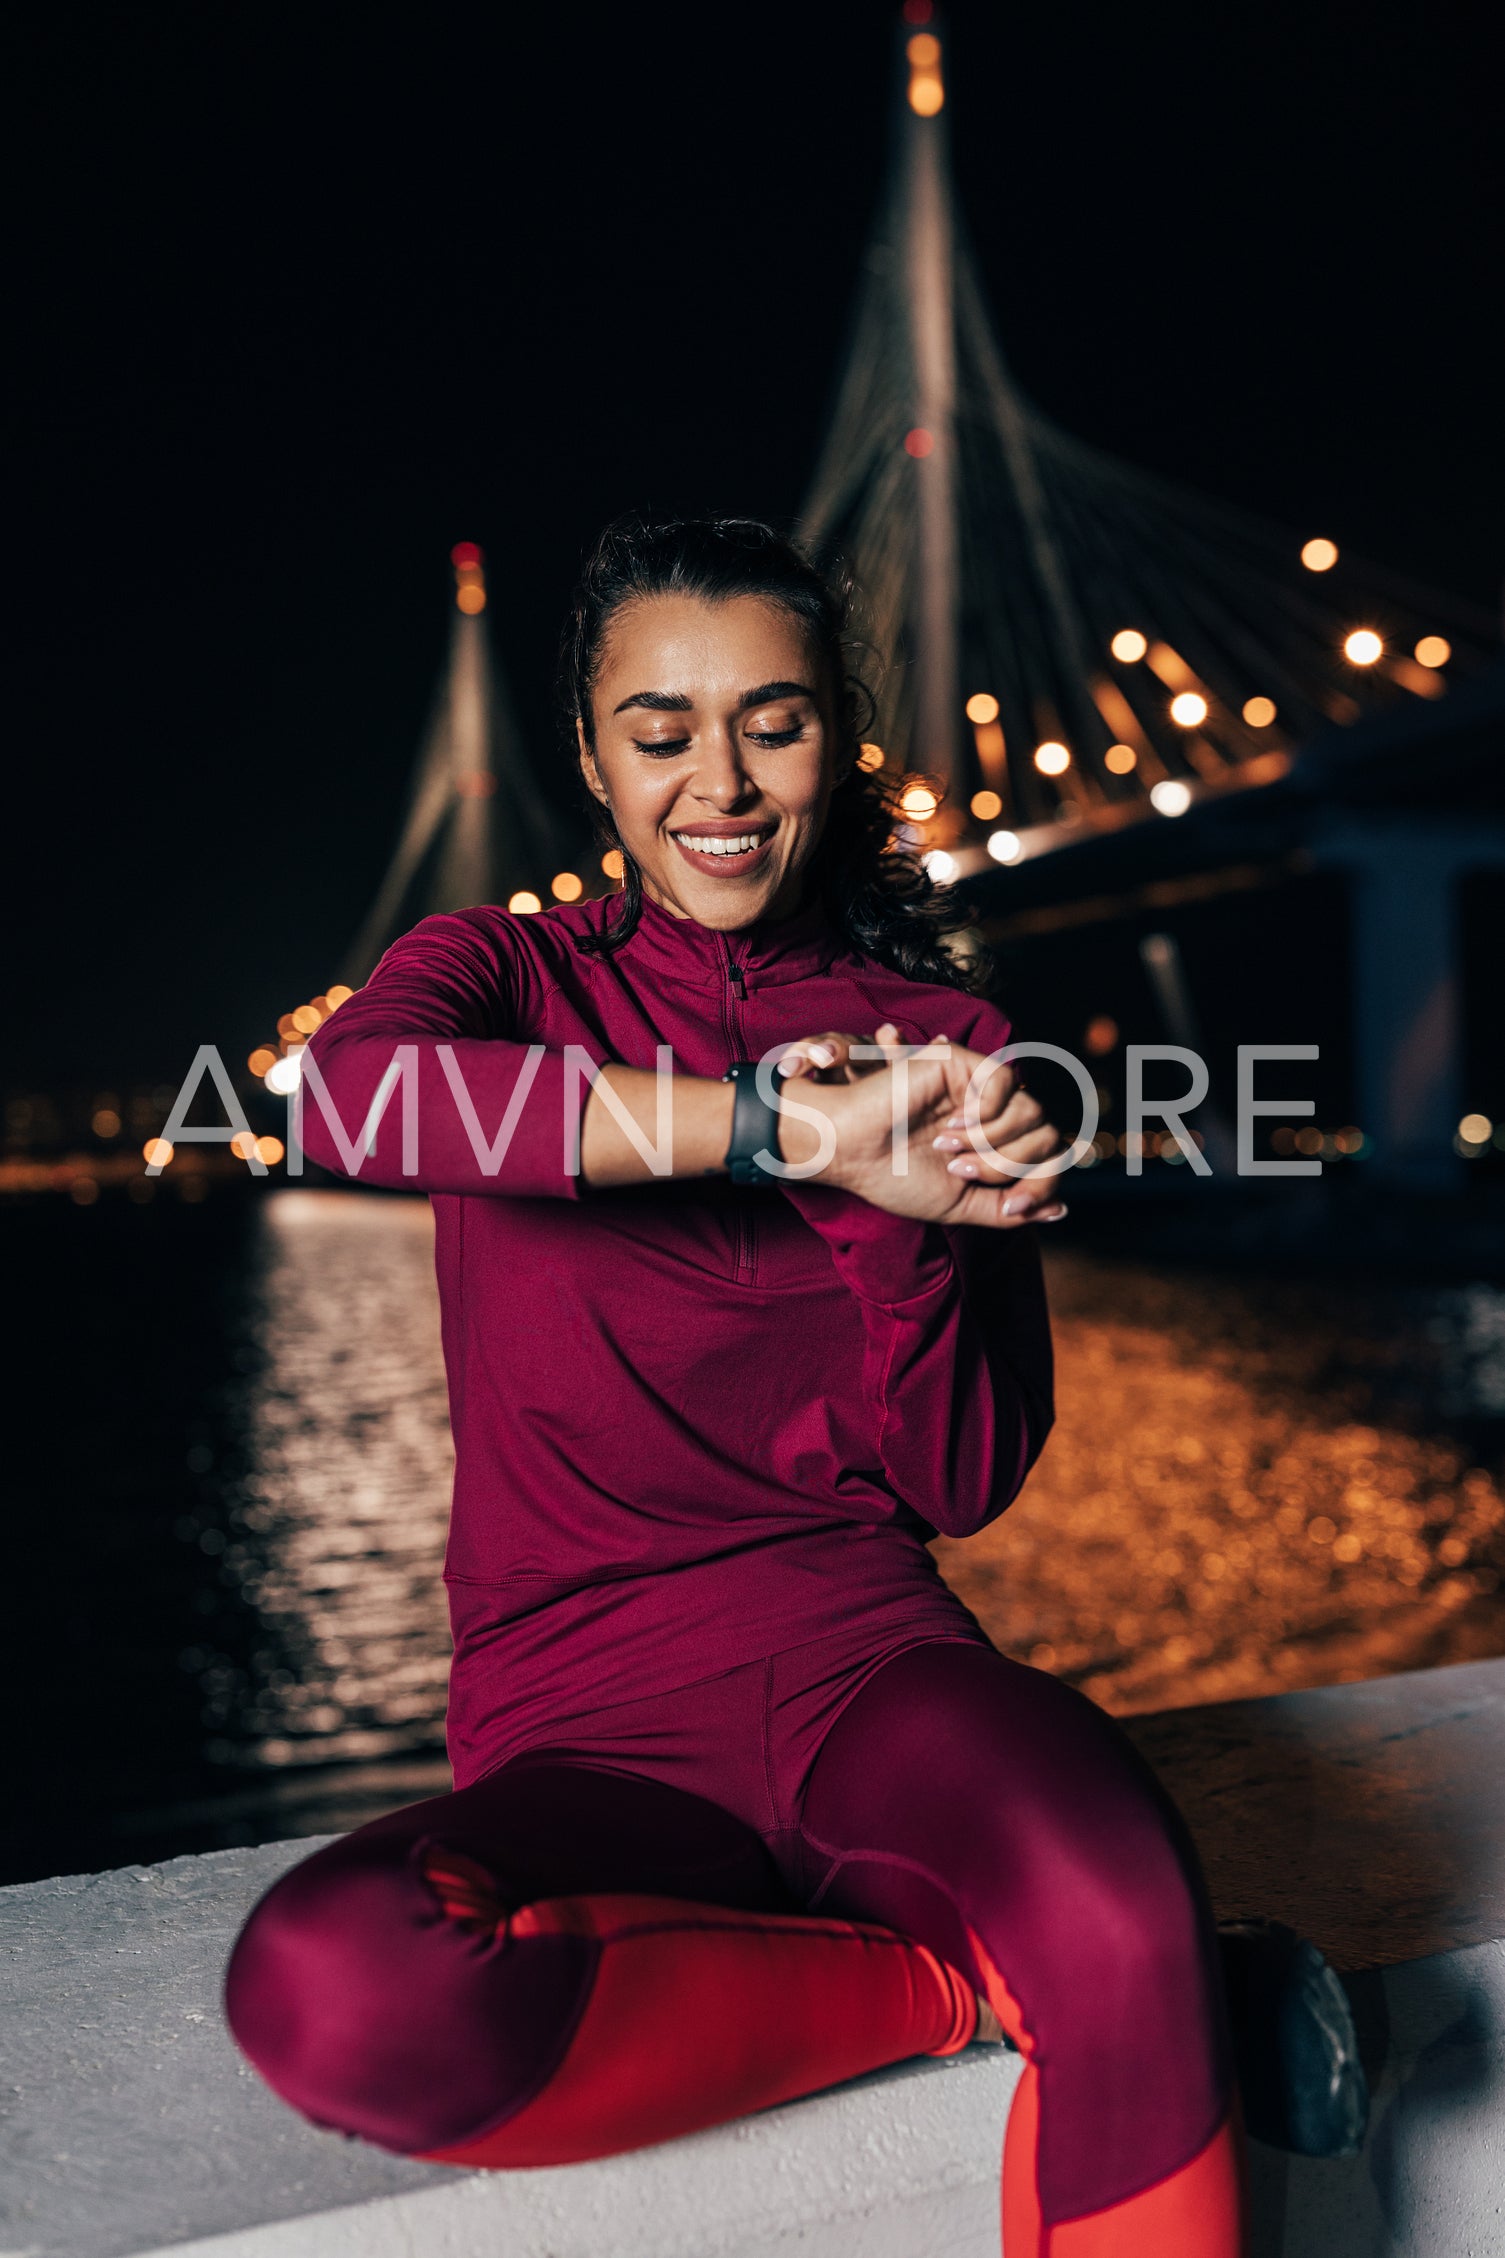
x=737, y=977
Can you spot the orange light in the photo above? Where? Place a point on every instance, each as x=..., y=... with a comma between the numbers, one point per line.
x=476, y=784
x=918, y=443
x=1259, y=712
x=306, y=1020
x=243, y=1144
x=106, y=1122
x=1319, y=556
x=870, y=757
x=524, y=904
x=286, y=1027
x=924, y=51
x=1120, y=760
x=919, y=803
x=269, y=1150
x=1363, y=647
x=986, y=805
x=612, y=863
x=470, y=600
x=1189, y=710
x=1128, y=645
x=1102, y=1035
x=982, y=706
x=156, y=1152
x=565, y=886
x=1052, y=759
x=927, y=96
x=1433, y=650
x=338, y=995
x=465, y=556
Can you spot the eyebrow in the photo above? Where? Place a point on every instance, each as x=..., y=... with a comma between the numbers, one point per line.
x=675, y=701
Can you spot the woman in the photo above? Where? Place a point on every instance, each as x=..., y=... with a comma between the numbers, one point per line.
x=745, y=1802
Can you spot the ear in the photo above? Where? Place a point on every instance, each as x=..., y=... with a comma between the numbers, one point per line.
x=588, y=768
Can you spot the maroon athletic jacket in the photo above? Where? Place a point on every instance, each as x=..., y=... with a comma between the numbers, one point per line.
x=694, y=1425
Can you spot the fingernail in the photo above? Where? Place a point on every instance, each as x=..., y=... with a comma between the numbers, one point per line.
x=1052, y=1214
x=961, y=1168
x=1018, y=1205
x=822, y=1054
x=944, y=1144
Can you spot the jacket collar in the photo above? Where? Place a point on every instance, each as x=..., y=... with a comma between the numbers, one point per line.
x=768, y=954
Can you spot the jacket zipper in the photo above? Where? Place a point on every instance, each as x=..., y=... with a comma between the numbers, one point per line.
x=735, y=993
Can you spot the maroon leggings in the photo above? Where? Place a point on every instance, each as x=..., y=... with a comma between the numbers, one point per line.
x=722, y=1897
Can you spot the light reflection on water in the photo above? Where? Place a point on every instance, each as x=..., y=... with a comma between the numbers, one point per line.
x=337, y=1532
x=1253, y=1484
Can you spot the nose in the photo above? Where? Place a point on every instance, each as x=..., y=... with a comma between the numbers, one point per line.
x=721, y=780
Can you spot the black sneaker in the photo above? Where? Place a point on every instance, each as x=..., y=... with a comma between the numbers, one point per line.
x=1294, y=2044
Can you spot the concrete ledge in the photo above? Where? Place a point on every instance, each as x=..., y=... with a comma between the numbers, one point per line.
x=131, y=2126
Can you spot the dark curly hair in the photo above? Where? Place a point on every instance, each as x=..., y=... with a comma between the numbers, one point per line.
x=875, y=892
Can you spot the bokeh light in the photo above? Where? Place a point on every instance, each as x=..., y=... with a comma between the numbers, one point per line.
x=1433, y=650
x=1101, y=1035
x=156, y=1152
x=1362, y=647
x=1120, y=760
x=284, y=1074
x=269, y=1150
x=1259, y=712
x=941, y=866
x=1129, y=645
x=612, y=864
x=982, y=706
x=1476, y=1128
x=338, y=994
x=565, y=886
x=1052, y=759
x=985, y=805
x=1319, y=555
x=1005, y=846
x=1171, y=798
x=918, y=442
x=1188, y=710
x=470, y=599
x=870, y=757
x=919, y=803
x=523, y=904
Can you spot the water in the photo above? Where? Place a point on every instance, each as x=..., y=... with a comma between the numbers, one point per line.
x=230, y=1466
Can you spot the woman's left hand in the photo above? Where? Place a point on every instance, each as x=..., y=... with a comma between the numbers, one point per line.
x=1018, y=1132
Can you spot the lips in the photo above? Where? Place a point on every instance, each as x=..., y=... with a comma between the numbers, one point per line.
x=726, y=852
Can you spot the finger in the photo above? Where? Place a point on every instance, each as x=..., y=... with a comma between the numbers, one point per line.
x=980, y=1088
x=818, y=1054
x=1020, y=1156
x=996, y=1209
x=1020, y=1115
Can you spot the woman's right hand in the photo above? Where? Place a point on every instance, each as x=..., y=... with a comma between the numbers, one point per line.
x=900, y=1139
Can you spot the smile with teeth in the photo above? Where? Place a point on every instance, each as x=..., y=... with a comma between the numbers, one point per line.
x=744, y=843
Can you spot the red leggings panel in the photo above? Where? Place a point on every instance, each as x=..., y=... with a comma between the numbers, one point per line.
x=979, y=1815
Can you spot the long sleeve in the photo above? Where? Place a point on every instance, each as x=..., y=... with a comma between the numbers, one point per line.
x=466, y=1106
x=957, y=1365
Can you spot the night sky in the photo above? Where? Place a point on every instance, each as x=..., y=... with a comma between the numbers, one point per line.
x=307, y=294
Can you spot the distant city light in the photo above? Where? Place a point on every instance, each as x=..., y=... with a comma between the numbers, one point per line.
x=870, y=757
x=523, y=904
x=284, y=1074
x=1362, y=647
x=470, y=599
x=306, y=1020
x=1129, y=645
x=612, y=864
x=243, y=1143
x=106, y=1122
x=1005, y=846
x=985, y=805
x=1171, y=798
x=565, y=886
x=927, y=95
x=269, y=1150
x=1476, y=1128
x=924, y=51
x=1259, y=712
x=918, y=442
x=1120, y=760
x=1101, y=1035
x=465, y=556
x=156, y=1152
x=338, y=995
x=1433, y=650
x=919, y=803
x=1188, y=710
x=982, y=706
x=1052, y=759
x=941, y=866
x=1319, y=555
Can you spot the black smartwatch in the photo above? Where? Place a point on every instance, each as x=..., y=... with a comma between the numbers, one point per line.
x=755, y=1124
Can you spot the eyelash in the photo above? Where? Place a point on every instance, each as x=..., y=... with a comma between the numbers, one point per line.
x=664, y=748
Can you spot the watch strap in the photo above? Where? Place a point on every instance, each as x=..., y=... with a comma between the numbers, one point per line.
x=755, y=1124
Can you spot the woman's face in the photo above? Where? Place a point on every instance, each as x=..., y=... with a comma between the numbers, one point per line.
x=716, y=751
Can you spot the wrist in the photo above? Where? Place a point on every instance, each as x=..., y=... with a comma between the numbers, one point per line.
x=800, y=1137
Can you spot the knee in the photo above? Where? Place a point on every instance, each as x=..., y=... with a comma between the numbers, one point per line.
x=371, y=2009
